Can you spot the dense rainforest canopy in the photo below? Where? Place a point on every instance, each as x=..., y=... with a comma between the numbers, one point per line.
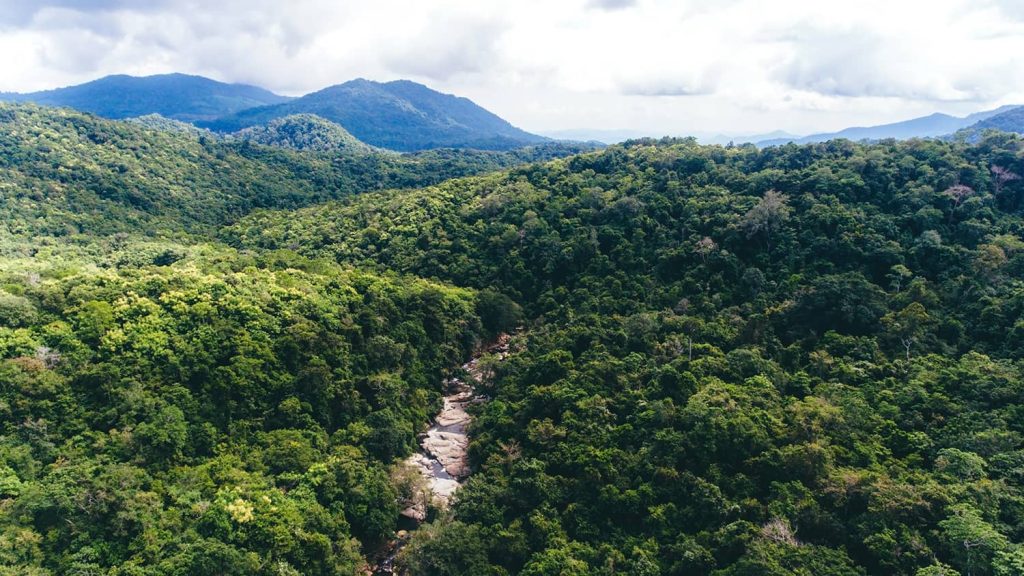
x=801, y=360
x=65, y=173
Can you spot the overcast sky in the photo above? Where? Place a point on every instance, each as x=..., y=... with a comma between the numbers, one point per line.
x=651, y=66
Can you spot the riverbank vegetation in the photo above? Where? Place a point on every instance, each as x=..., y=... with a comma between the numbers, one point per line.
x=799, y=360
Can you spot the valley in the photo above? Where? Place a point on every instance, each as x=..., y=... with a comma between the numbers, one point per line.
x=443, y=458
x=511, y=288
x=229, y=356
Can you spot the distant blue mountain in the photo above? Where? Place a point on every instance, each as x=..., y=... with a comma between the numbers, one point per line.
x=399, y=115
x=933, y=125
x=177, y=96
x=1011, y=120
x=597, y=135
x=723, y=139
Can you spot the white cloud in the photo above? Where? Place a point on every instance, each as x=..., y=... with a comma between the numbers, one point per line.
x=666, y=66
x=611, y=4
x=450, y=45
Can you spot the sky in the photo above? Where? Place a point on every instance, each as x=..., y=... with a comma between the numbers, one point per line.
x=653, y=67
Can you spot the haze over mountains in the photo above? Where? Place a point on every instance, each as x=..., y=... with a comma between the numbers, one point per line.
x=1008, y=118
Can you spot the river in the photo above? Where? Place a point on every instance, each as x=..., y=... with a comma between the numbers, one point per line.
x=443, y=457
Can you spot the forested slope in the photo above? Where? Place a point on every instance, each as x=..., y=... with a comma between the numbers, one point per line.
x=222, y=415
x=797, y=360
x=801, y=360
x=67, y=174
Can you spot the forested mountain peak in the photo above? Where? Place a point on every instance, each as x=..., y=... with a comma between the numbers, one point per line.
x=400, y=115
x=178, y=96
x=305, y=132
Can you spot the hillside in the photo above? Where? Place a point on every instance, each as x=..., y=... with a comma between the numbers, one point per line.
x=1011, y=120
x=65, y=173
x=177, y=96
x=304, y=132
x=728, y=361
x=69, y=173
x=933, y=125
x=162, y=124
x=238, y=415
x=797, y=360
x=399, y=115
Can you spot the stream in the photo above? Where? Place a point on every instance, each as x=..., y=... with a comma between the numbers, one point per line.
x=443, y=457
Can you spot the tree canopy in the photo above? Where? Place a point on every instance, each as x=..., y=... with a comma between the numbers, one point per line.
x=798, y=360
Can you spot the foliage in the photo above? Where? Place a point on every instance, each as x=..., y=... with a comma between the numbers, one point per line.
x=304, y=132
x=799, y=360
x=217, y=415
x=794, y=360
x=80, y=178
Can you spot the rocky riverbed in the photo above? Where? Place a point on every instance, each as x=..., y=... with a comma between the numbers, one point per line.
x=443, y=458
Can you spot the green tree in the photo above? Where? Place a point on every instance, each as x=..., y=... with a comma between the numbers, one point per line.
x=767, y=217
x=974, y=541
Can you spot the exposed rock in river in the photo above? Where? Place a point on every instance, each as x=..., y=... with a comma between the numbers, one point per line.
x=443, y=459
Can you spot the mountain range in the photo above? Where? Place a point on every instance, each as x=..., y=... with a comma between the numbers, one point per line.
x=931, y=126
x=399, y=115
x=177, y=96
x=1008, y=118
x=403, y=116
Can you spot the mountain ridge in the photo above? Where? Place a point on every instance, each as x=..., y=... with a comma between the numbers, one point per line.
x=1011, y=120
x=933, y=125
x=176, y=96
x=400, y=115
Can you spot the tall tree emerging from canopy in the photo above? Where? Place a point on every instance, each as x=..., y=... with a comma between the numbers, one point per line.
x=767, y=217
